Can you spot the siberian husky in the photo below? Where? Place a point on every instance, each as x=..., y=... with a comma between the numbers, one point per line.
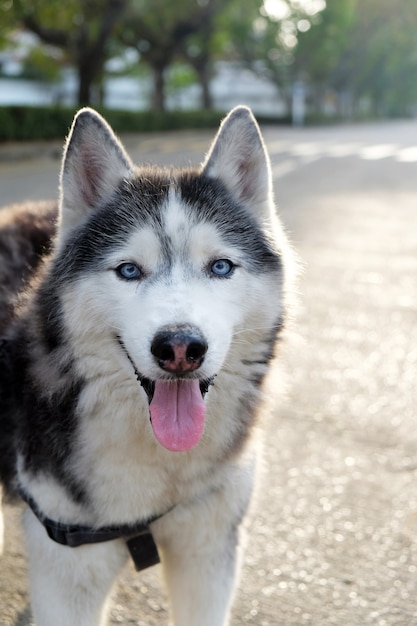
x=131, y=368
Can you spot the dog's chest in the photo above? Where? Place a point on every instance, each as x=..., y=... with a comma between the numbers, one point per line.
x=127, y=474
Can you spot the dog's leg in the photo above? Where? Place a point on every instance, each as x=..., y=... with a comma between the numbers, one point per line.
x=200, y=553
x=201, y=584
x=69, y=586
x=200, y=571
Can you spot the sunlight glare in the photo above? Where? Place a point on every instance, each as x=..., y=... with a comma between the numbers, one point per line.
x=311, y=7
x=281, y=9
x=277, y=9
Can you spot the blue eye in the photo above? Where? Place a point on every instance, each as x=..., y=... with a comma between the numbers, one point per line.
x=129, y=271
x=222, y=268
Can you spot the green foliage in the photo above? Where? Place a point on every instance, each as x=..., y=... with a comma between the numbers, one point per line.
x=180, y=77
x=148, y=121
x=366, y=49
x=322, y=50
x=164, y=31
x=268, y=43
x=41, y=65
x=82, y=29
x=18, y=123
x=360, y=50
x=384, y=58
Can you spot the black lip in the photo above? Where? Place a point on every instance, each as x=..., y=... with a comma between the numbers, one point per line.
x=149, y=385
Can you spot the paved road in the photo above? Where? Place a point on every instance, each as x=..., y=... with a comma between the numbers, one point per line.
x=333, y=538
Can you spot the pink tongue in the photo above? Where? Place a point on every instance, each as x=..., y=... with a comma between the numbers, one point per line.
x=177, y=414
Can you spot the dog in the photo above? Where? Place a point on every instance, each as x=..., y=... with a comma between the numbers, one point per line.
x=140, y=317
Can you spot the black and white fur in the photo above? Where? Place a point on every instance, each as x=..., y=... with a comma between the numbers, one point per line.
x=76, y=437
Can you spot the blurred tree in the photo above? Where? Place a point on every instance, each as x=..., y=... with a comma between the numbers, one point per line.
x=41, y=64
x=81, y=28
x=159, y=30
x=363, y=50
x=222, y=35
x=198, y=31
x=271, y=39
x=383, y=55
x=323, y=54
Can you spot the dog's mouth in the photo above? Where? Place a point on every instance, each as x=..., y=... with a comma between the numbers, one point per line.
x=177, y=411
x=176, y=407
x=149, y=385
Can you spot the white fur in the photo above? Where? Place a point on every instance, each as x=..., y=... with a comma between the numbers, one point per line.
x=70, y=586
x=107, y=444
x=130, y=475
x=203, y=529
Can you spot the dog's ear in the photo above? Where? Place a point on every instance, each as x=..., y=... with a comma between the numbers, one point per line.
x=94, y=164
x=238, y=158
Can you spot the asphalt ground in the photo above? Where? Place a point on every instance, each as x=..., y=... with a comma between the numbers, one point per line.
x=333, y=532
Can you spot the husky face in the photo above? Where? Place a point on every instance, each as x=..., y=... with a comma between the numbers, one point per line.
x=169, y=268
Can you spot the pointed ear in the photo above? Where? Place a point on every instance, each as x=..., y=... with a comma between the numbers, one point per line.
x=94, y=164
x=239, y=159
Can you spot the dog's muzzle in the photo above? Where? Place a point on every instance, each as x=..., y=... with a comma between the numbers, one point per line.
x=149, y=385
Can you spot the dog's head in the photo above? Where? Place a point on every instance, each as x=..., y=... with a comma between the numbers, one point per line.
x=181, y=270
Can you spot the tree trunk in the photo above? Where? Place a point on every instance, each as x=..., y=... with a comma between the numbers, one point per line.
x=88, y=51
x=158, y=97
x=204, y=78
x=90, y=76
x=84, y=87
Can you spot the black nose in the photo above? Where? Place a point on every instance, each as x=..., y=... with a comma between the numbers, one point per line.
x=179, y=349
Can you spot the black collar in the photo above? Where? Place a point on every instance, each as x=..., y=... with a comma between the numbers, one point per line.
x=138, y=536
